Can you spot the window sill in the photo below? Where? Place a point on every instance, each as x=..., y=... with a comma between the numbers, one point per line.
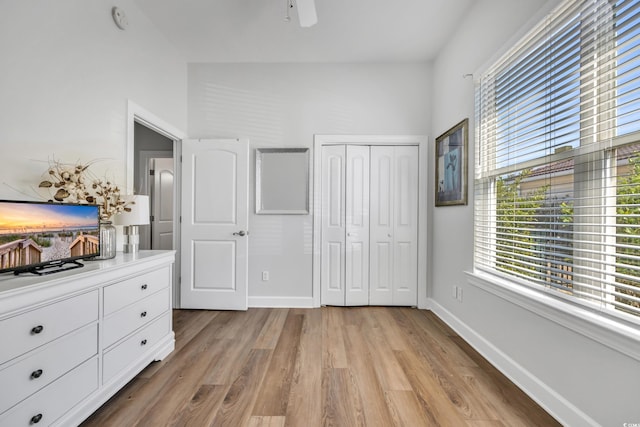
x=610, y=331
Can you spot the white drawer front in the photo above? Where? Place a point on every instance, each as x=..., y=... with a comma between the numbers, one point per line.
x=46, y=365
x=128, y=291
x=32, y=329
x=118, y=358
x=53, y=401
x=132, y=317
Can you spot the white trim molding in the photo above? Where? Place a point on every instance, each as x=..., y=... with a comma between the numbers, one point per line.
x=281, y=302
x=136, y=113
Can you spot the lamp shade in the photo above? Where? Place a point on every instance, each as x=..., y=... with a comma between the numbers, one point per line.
x=139, y=214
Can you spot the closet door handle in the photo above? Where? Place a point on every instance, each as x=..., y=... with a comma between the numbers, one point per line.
x=36, y=374
x=35, y=419
x=240, y=233
x=37, y=329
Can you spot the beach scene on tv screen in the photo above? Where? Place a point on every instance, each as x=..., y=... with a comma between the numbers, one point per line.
x=37, y=233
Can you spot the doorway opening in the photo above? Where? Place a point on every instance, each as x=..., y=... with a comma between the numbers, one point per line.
x=154, y=177
x=155, y=145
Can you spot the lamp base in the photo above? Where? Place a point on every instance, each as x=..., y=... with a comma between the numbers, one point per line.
x=131, y=239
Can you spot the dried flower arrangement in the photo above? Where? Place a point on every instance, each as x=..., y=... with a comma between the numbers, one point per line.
x=74, y=183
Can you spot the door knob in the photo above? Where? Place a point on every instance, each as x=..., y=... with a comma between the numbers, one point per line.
x=240, y=233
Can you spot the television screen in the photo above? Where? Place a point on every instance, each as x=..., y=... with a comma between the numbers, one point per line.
x=36, y=235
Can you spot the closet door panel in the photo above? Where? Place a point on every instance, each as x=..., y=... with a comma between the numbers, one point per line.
x=332, y=274
x=381, y=228
x=357, y=225
x=405, y=227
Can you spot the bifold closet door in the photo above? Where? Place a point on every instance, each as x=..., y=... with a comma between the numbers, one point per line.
x=394, y=226
x=344, y=276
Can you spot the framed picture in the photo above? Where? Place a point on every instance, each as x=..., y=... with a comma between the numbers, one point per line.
x=451, y=165
x=282, y=181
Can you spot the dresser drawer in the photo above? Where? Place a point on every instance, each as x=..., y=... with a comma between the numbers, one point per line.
x=56, y=399
x=32, y=329
x=132, y=317
x=117, y=359
x=46, y=364
x=128, y=291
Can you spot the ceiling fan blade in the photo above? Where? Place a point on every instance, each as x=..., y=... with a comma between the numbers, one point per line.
x=307, y=12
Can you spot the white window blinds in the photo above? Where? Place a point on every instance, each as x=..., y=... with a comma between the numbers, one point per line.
x=557, y=174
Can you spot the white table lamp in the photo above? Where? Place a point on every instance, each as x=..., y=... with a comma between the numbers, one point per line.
x=139, y=215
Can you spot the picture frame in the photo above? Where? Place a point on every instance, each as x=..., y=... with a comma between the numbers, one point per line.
x=282, y=181
x=451, y=150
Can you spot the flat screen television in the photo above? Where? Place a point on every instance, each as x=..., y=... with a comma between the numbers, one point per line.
x=45, y=237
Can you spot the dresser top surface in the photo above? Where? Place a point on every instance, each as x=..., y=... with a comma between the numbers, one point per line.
x=10, y=282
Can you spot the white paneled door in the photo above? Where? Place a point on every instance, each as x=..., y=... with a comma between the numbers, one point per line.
x=162, y=199
x=215, y=179
x=332, y=275
x=394, y=226
x=369, y=232
x=357, y=226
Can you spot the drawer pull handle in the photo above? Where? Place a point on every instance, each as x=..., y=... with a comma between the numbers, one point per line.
x=36, y=419
x=143, y=314
x=143, y=342
x=36, y=374
x=37, y=329
x=144, y=287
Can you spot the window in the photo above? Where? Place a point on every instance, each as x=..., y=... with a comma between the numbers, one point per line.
x=557, y=182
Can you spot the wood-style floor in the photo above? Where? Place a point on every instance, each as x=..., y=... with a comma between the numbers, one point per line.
x=369, y=366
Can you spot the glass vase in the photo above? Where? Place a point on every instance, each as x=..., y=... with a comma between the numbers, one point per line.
x=107, y=240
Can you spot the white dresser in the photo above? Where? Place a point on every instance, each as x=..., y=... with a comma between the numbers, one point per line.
x=71, y=340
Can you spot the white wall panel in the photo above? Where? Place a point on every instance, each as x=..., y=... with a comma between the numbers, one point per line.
x=66, y=74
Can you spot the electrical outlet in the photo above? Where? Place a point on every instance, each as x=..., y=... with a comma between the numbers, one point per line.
x=265, y=276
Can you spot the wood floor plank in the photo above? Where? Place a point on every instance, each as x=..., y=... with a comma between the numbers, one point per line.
x=238, y=402
x=405, y=409
x=270, y=332
x=238, y=342
x=443, y=358
x=266, y=421
x=313, y=367
x=363, y=369
x=333, y=352
x=343, y=404
x=435, y=402
x=303, y=409
x=201, y=409
x=273, y=398
x=388, y=371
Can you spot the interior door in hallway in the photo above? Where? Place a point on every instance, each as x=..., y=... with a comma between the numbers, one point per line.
x=394, y=226
x=215, y=217
x=162, y=204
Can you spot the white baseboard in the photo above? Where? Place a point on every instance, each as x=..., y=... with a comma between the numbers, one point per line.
x=281, y=302
x=555, y=404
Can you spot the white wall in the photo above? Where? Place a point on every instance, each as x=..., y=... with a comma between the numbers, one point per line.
x=66, y=73
x=284, y=105
x=577, y=379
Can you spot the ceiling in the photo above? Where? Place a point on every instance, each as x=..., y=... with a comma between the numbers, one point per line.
x=347, y=30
